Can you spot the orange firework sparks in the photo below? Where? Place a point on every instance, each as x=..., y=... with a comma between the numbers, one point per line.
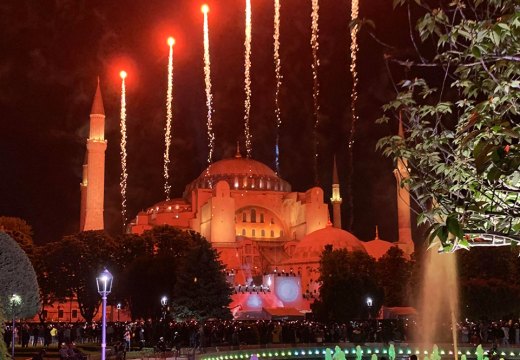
x=247, y=79
x=169, y=117
x=207, y=81
x=124, y=174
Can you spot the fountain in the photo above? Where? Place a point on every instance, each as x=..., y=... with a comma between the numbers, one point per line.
x=391, y=352
x=479, y=352
x=439, y=298
x=359, y=353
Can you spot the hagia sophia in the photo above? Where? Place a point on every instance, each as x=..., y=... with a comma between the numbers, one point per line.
x=268, y=236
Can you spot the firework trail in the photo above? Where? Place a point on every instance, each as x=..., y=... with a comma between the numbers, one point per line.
x=169, y=116
x=247, y=79
x=315, y=82
x=277, y=67
x=354, y=48
x=124, y=174
x=207, y=80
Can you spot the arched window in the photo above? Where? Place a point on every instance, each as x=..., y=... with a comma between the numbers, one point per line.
x=281, y=233
x=253, y=215
x=253, y=233
x=262, y=218
x=263, y=233
x=244, y=217
x=272, y=233
x=243, y=232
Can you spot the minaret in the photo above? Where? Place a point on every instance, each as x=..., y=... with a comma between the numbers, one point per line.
x=93, y=184
x=336, y=199
x=403, y=202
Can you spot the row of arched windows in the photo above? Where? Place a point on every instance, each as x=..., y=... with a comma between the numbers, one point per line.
x=262, y=233
x=252, y=217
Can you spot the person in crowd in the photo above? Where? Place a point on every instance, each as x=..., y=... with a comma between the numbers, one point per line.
x=64, y=352
x=40, y=355
x=120, y=350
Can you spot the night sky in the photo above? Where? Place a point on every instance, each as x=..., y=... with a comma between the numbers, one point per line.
x=53, y=51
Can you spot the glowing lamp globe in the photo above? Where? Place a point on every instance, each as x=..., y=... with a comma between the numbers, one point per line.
x=123, y=74
x=16, y=300
x=104, y=283
x=164, y=301
x=204, y=8
x=171, y=41
x=369, y=301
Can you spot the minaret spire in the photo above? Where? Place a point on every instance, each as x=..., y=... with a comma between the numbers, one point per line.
x=336, y=199
x=93, y=184
x=238, y=154
x=403, y=201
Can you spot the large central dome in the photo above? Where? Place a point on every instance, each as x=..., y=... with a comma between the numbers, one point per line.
x=238, y=166
x=241, y=174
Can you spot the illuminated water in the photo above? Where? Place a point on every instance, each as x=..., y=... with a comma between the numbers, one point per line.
x=439, y=298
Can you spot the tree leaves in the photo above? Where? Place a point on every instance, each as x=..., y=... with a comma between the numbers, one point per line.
x=462, y=140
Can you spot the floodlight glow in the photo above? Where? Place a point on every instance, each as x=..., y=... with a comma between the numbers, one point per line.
x=171, y=41
x=123, y=74
x=204, y=8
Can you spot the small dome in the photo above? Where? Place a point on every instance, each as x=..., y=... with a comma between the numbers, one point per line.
x=377, y=247
x=310, y=248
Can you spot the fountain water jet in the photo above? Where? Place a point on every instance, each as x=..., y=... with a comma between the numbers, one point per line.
x=439, y=298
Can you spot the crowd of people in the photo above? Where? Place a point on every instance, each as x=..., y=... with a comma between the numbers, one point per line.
x=168, y=335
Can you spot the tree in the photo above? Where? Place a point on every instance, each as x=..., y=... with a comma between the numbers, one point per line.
x=20, y=231
x=74, y=263
x=164, y=261
x=201, y=284
x=347, y=279
x=18, y=277
x=393, y=276
x=489, y=285
x=145, y=281
x=167, y=240
x=459, y=107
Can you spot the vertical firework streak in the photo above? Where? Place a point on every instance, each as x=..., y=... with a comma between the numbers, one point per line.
x=354, y=48
x=315, y=82
x=207, y=80
x=124, y=174
x=169, y=116
x=277, y=67
x=247, y=79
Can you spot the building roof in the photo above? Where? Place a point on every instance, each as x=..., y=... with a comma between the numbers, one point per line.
x=377, y=247
x=240, y=174
x=312, y=245
x=238, y=166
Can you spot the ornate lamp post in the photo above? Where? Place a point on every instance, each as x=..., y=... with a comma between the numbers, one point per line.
x=118, y=309
x=369, y=306
x=164, y=302
x=104, y=286
x=16, y=300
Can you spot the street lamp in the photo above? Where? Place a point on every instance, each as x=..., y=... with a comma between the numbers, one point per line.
x=164, y=302
x=118, y=307
x=15, y=301
x=104, y=287
x=369, y=305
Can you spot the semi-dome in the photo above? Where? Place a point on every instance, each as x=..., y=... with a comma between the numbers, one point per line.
x=310, y=248
x=241, y=174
